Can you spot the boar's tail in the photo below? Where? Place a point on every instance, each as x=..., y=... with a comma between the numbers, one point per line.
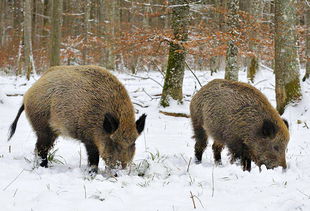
x=13, y=125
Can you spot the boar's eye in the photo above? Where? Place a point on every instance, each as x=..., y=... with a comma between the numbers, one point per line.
x=276, y=148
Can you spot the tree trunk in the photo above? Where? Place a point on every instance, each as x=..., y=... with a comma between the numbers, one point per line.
x=231, y=69
x=2, y=23
x=28, y=65
x=176, y=61
x=255, y=10
x=307, y=19
x=46, y=21
x=113, y=18
x=215, y=61
x=86, y=30
x=101, y=29
x=56, y=33
x=286, y=57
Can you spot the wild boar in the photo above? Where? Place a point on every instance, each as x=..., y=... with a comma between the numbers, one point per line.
x=87, y=103
x=239, y=116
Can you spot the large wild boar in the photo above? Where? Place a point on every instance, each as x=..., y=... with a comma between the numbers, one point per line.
x=238, y=116
x=87, y=103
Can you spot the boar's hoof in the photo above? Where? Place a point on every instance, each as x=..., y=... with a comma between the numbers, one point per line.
x=218, y=162
x=44, y=163
x=93, y=170
x=197, y=161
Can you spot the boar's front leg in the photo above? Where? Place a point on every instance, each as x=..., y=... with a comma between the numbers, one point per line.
x=240, y=151
x=45, y=141
x=93, y=157
x=245, y=158
x=217, y=149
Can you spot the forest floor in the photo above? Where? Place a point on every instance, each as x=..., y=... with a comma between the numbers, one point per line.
x=163, y=175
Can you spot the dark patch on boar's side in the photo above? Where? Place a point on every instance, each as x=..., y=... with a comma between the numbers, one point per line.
x=268, y=129
x=110, y=123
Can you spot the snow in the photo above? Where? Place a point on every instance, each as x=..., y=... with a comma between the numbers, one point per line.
x=2, y=97
x=163, y=175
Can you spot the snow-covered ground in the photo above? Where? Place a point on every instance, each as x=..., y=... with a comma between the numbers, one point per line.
x=163, y=176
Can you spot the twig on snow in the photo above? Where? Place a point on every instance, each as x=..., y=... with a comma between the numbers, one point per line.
x=175, y=114
x=142, y=106
x=193, y=200
x=193, y=73
x=13, y=180
x=303, y=193
x=213, y=181
x=146, y=78
x=143, y=90
x=189, y=163
x=84, y=191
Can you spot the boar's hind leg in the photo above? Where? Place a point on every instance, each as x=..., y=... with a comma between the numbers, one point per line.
x=217, y=149
x=93, y=157
x=201, y=142
x=45, y=142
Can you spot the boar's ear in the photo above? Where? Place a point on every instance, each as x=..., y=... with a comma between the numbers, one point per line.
x=285, y=122
x=268, y=129
x=140, y=123
x=110, y=123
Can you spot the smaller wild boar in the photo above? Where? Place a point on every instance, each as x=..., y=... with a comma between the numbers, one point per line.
x=238, y=116
x=87, y=103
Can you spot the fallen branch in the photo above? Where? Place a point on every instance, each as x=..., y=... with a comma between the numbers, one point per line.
x=13, y=180
x=192, y=197
x=143, y=106
x=189, y=163
x=14, y=95
x=146, y=78
x=175, y=114
x=193, y=73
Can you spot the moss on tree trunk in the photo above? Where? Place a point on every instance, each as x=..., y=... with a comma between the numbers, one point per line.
x=252, y=69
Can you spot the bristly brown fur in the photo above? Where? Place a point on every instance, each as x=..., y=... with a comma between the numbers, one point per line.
x=240, y=117
x=87, y=103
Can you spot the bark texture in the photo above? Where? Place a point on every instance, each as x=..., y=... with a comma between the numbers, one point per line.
x=231, y=69
x=28, y=65
x=307, y=19
x=56, y=33
x=286, y=57
x=177, y=53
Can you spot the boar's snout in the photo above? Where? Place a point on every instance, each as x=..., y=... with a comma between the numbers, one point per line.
x=271, y=164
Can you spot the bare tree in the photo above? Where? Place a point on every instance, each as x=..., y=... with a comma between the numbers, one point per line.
x=2, y=22
x=86, y=30
x=29, y=64
x=286, y=58
x=56, y=33
x=46, y=21
x=231, y=70
x=176, y=62
x=307, y=19
x=255, y=10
